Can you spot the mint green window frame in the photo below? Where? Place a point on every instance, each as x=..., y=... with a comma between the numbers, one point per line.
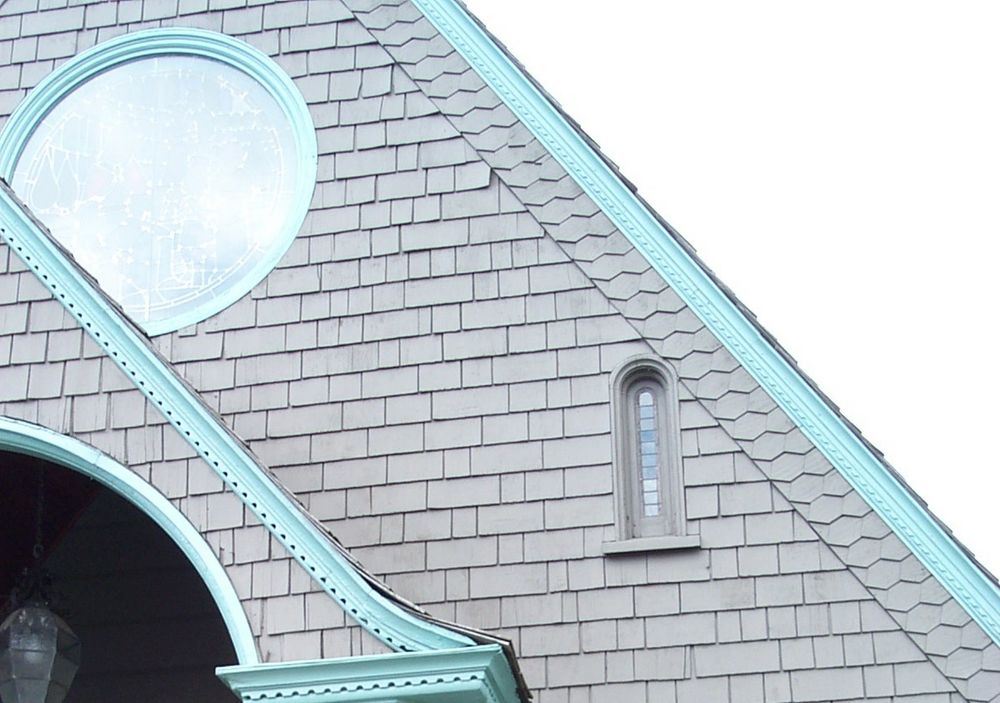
x=184, y=42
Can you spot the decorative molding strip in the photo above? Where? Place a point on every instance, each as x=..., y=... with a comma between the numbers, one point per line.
x=914, y=525
x=187, y=42
x=332, y=569
x=26, y=438
x=470, y=675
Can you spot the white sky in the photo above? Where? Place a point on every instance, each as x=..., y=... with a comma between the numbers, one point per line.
x=838, y=166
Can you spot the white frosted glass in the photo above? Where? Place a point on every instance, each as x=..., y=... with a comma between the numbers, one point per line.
x=168, y=178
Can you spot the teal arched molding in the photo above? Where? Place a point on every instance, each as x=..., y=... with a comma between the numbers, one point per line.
x=26, y=438
x=187, y=42
x=398, y=624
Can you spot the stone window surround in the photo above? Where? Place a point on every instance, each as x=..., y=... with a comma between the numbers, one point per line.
x=631, y=536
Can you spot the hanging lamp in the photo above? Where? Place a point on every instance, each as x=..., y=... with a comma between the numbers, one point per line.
x=39, y=653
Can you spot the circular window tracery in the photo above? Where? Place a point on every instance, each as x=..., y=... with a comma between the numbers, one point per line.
x=175, y=165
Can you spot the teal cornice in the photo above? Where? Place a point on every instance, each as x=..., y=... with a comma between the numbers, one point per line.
x=190, y=42
x=904, y=514
x=181, y=406
x=467, y=675
x=26, y=438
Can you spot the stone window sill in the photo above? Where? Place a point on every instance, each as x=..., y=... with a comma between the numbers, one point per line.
x=651, y=544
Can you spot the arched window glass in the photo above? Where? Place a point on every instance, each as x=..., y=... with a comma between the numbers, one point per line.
x=649, y=481
x=647, y=457
x=648, y=443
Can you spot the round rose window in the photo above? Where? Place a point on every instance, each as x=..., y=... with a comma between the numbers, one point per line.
x=177, y=175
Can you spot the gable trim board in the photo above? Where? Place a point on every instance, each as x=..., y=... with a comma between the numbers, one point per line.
x=868, y=475
x=467, y=675
x=368, y=602
x=401, y=626
x=185, y=42
x=33, y=440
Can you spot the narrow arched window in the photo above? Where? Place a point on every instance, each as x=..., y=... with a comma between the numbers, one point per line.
x=649, y=483
x=647, y=413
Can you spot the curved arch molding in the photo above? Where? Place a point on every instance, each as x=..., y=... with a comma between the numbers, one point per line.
x=399, y=626
x=26, y=438
x=187, y=42
x=900, y=509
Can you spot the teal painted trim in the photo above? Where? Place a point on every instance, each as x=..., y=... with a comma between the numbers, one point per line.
x=26, y=438
x=191, y=42
x=942, y=556
x=468, y=675
x=224, y=453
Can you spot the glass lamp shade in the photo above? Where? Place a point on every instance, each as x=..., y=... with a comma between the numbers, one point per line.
x=39, y=656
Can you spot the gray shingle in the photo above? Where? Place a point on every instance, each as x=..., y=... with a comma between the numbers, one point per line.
x=540, y=308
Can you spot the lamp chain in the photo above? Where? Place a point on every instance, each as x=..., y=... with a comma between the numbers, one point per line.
x=39, y=547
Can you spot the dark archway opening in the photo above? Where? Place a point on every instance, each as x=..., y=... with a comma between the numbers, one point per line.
x=149, y=627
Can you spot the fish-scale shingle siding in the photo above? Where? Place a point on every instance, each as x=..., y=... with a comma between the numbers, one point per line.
x=651, y=308
x=428, y=370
